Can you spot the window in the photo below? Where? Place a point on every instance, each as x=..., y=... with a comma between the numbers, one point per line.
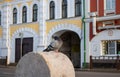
x=14, y=16
x=111, y=47
x=77, y=7
x=35, y=10
x=64, y=9
x=52, y=10
x=0, y=17
x=110, y=4
x=24, y=14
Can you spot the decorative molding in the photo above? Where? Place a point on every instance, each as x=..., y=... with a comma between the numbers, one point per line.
x=93, y=14
x=109, y=27
x=64, y=27
x=112, y=34
x=109, y=12
x=24, y=29
x=104, y=18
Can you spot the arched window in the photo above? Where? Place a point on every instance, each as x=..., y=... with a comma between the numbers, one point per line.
x=0, y=17
x=64, y=9
x=52, y=10
x=77, y=7
x=14, y=16
x=24, y=14
x=35, y=12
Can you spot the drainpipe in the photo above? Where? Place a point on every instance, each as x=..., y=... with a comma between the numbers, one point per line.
x=84, y=28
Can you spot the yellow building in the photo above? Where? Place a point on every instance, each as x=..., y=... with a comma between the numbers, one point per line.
x=28, y=25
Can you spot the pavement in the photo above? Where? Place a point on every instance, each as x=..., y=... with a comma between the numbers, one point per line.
x=8, y=71
x=105, y=70
x=96, y=74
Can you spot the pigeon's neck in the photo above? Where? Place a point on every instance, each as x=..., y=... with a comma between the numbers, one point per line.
x=56, y=50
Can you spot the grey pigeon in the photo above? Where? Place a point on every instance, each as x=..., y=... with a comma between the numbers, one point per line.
x=55, y=44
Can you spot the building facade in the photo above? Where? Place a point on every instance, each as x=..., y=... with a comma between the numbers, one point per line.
x=104, y=28
x=28, y=25
x=87, y=27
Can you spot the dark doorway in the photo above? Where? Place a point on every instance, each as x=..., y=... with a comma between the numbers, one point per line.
x=27, y=46
x=71, y=47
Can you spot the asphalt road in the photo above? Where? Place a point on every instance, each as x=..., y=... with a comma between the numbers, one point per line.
x=9, y=72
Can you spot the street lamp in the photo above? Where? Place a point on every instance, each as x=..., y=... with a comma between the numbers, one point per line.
x=21, y=40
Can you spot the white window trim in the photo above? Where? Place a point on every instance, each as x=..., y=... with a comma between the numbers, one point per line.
x=108, y=22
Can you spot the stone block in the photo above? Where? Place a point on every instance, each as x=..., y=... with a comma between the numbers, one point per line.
x=44, y=64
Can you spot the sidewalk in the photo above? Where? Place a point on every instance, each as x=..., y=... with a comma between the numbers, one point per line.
x=77, y=69
x=109, y=70
x=8, y=71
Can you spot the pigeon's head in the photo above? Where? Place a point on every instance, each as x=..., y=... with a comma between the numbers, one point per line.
x=57, y=42
x=55, y=38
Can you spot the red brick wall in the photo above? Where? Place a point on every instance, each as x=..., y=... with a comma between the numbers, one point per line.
x=117, y=6
x=91, y=31
x=117, y=22
x=101, y=7
x=98, y=25
x=93, y=5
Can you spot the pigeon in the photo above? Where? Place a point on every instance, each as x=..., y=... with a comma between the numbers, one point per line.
x=54, y=45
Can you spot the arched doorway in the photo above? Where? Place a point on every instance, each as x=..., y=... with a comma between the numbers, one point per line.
x=22, y=47
x=71, y=46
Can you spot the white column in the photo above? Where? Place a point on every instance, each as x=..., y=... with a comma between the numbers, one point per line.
x=42, y=25
x=5, y=24
x=87, y=42
x=71, y=8
x=94, y=23
x=58, y=9
x=94, y=26
x=87, y=8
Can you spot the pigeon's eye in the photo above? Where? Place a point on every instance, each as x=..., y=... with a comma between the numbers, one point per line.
x=56, y=38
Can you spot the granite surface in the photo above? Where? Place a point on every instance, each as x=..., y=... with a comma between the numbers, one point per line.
x=45, y=64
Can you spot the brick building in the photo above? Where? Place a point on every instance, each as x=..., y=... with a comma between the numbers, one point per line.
x=103, y=28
